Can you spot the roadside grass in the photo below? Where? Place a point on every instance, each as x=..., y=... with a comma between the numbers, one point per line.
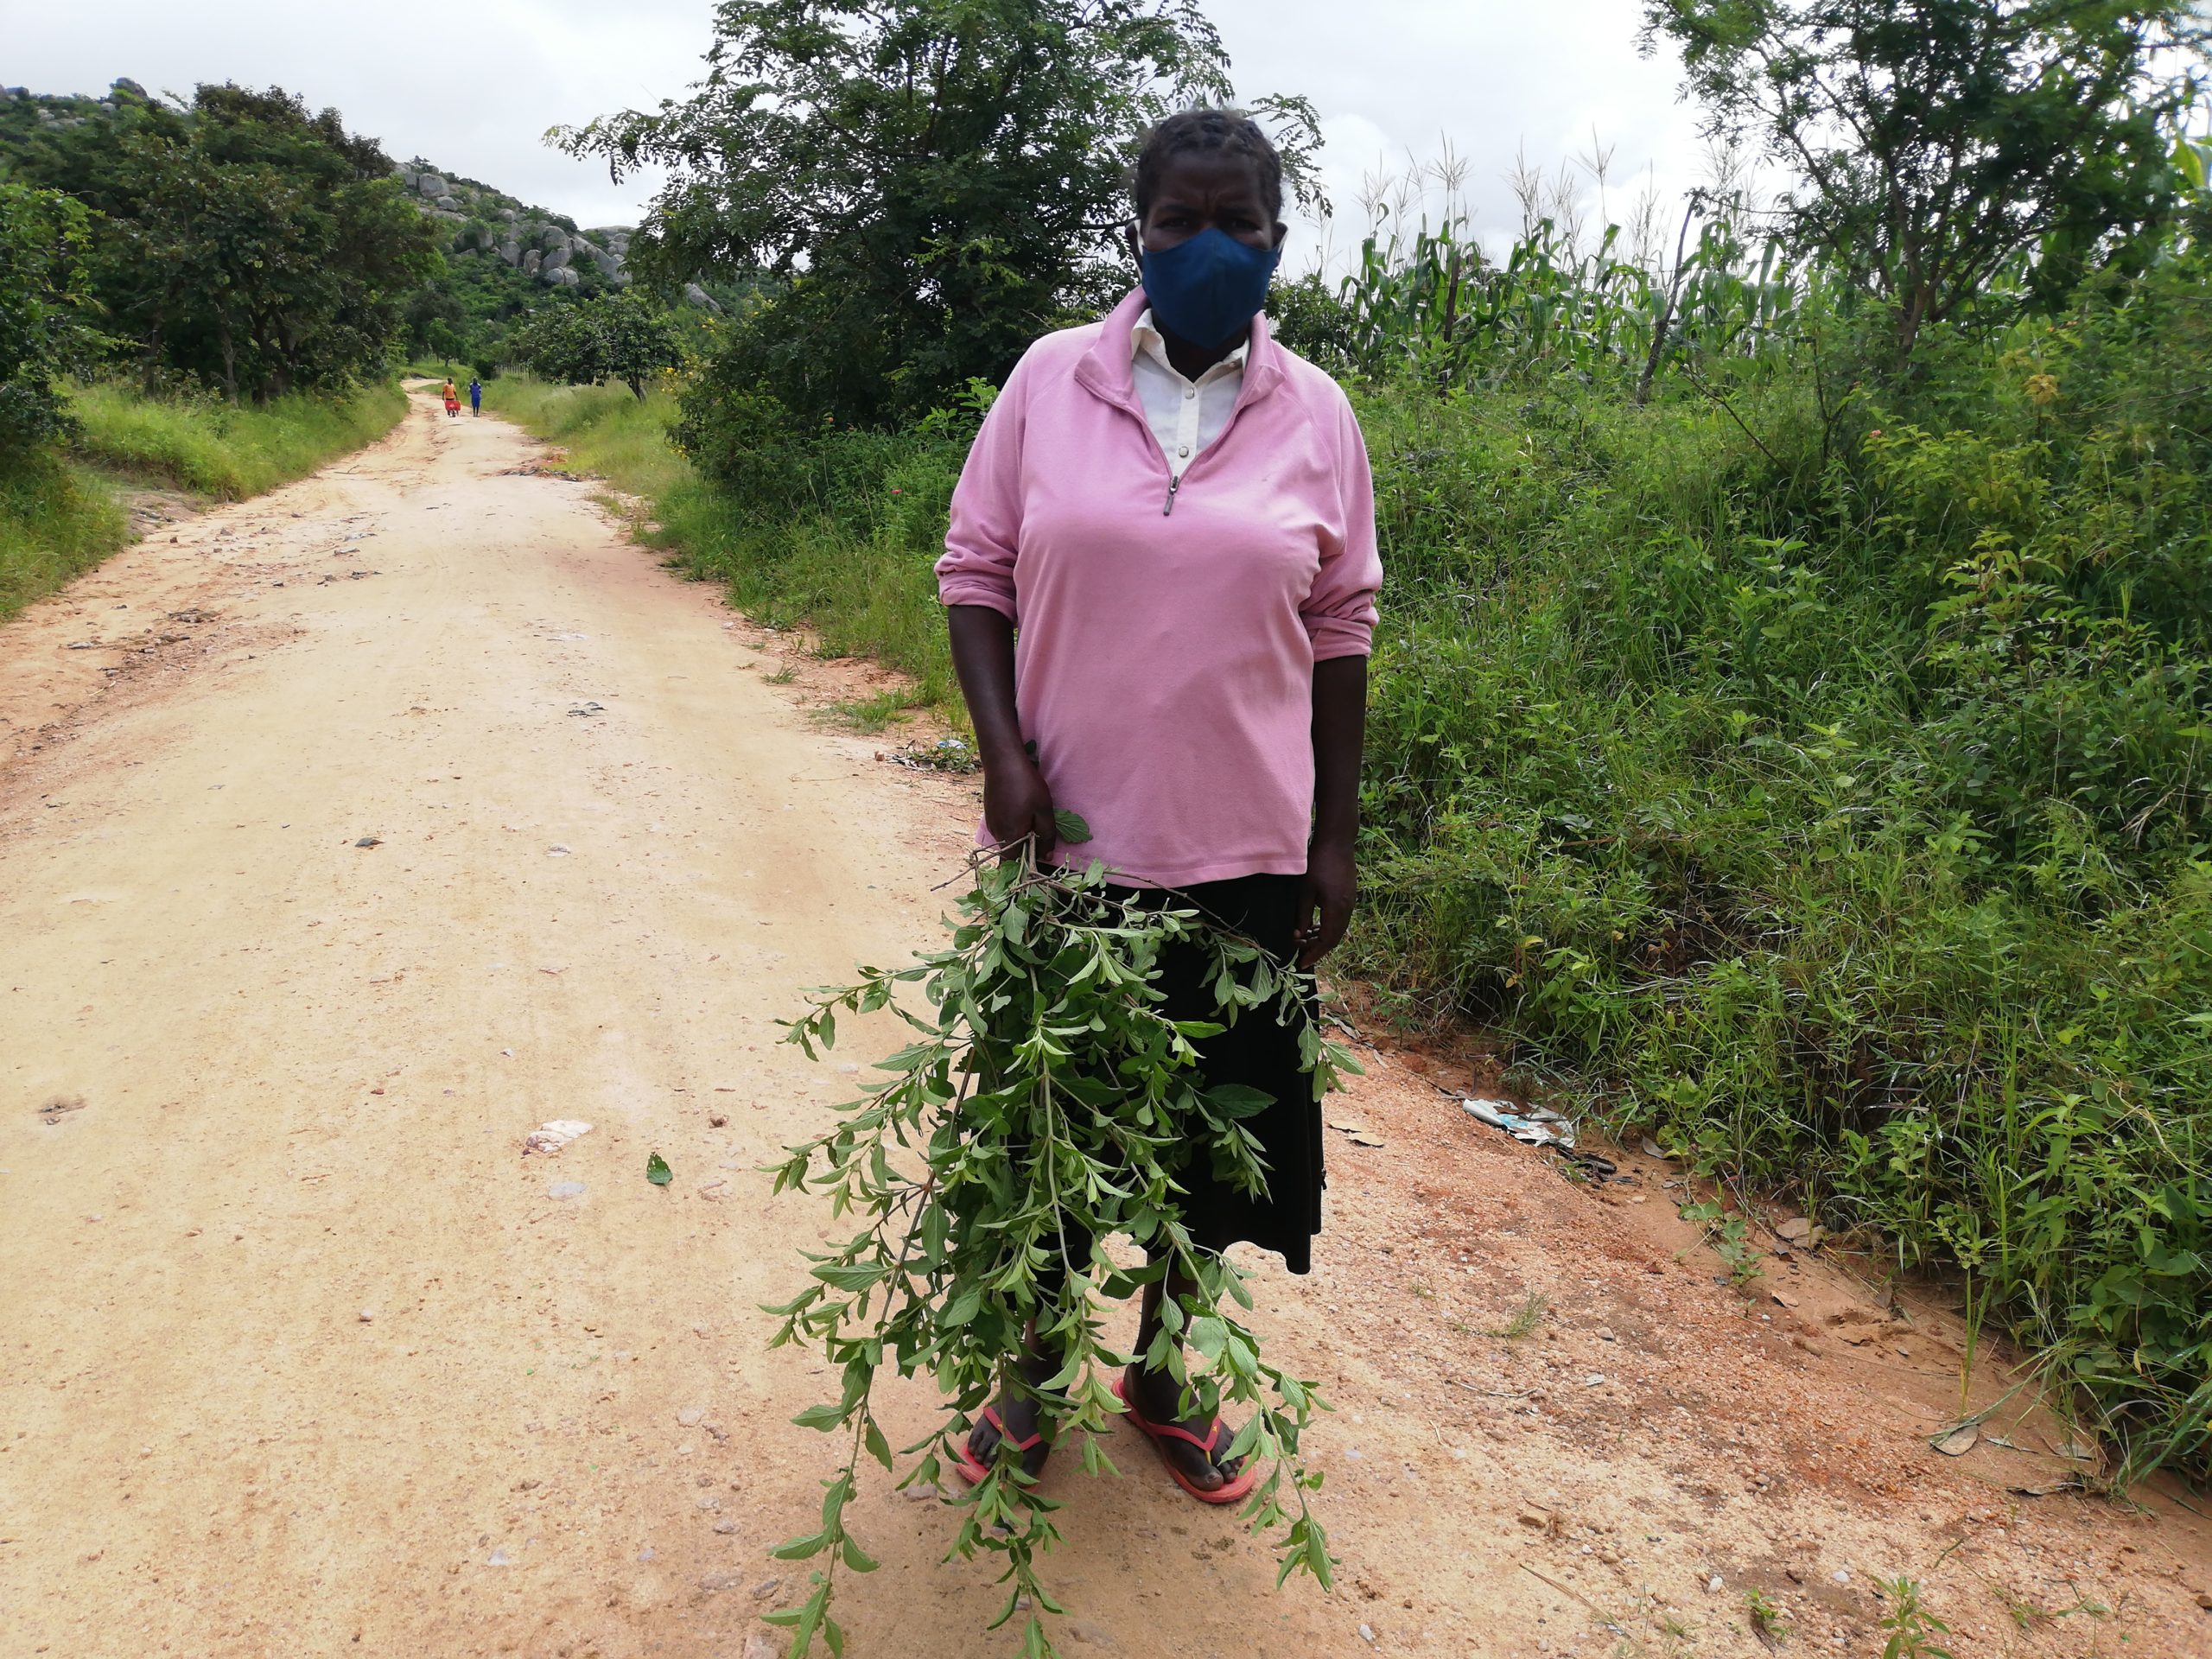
x=59, y=514
x=876, y=714
x=57, y=517
x=212, y=449
x=601, y=430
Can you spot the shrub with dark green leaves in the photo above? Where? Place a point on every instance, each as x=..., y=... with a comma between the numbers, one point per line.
x=621, y=337
x=45, y=291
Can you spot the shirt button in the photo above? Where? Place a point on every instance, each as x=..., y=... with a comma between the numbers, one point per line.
x=1184, y=450
x=1190, y=391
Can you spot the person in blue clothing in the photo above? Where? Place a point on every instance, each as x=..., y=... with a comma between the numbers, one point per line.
x=476, y=397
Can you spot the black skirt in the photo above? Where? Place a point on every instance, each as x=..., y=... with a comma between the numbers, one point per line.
x=1259, y=1052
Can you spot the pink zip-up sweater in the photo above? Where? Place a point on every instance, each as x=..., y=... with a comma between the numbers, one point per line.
x=1164, y=662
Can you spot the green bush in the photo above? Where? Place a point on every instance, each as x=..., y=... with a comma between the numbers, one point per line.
x=1831, y=800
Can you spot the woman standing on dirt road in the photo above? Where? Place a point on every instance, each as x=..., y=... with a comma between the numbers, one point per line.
x=1177, y=512
x=453, y=402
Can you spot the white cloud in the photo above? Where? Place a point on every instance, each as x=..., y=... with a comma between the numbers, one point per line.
x=1397, y=81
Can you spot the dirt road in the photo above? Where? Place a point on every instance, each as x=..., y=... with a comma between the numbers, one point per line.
x=348, y=834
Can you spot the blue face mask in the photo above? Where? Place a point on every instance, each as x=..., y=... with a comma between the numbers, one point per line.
x=1209, y=289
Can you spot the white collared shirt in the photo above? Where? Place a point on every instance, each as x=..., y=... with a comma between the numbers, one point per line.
x=1185, y=416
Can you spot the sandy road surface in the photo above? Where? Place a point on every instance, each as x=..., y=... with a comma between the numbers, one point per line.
x=299, y=1355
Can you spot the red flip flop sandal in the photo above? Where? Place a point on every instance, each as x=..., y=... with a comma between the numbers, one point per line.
x=1218, y=1435
x=966, y=1464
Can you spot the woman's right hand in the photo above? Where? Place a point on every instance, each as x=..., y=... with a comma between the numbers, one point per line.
x=1018, y=803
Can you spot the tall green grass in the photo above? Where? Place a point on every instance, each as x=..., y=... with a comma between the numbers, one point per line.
x=59, y=513
x=603, y=429
x=57, y=518
x=210, y=448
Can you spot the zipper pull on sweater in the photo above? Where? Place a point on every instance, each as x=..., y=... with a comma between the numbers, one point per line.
x=1173, y=485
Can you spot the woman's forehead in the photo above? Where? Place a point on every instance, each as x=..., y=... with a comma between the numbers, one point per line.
x=1209, y=172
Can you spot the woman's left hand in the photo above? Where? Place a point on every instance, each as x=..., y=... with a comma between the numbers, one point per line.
x=1325, y=902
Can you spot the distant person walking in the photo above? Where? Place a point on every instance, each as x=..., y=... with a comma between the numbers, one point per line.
x=453, y=401
x=476, y=398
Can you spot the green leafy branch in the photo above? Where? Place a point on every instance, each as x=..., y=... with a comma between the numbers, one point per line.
x=1048, y=1101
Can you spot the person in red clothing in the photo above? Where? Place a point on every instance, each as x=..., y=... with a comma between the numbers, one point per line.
x=1177, y=512
x=453, y=402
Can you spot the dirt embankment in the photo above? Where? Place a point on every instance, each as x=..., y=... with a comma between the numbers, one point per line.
x=347, y=834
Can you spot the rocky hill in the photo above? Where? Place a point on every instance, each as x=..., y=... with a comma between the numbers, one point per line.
x=485, y=222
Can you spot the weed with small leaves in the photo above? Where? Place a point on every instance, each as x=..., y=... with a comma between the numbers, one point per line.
x=1912, y=1629
x=1766, y=1618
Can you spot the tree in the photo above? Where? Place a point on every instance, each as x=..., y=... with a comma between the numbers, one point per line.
x=618, y=336
x=1941, y=142
x=243, y=241
x=930, y=183
x=43, y=293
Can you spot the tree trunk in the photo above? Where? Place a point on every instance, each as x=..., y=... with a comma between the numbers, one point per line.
x=230, y=361
x=1666, y=310
x=150, y=374
x=1914, y=313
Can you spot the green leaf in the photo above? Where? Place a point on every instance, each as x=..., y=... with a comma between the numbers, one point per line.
x=964, y=1307
x=851, y=1275
x=1050, y=1095
x=1235, y=1100
x=1071, y=827
x=1209, y=1335
x=858, y=1559
x=878, y=1447
x=657, y=1170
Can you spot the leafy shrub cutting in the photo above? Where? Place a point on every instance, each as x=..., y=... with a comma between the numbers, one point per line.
x=1047, y=1103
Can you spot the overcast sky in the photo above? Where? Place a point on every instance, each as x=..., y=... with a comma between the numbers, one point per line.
x=474, y=87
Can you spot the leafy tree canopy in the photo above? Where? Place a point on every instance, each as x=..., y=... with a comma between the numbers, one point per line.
x=43, y=292
x=931, y=183
x=618, y=336
x=1941, y=142
x=243, y=241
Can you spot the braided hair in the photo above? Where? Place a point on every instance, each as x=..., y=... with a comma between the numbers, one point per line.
x=1225, y=131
